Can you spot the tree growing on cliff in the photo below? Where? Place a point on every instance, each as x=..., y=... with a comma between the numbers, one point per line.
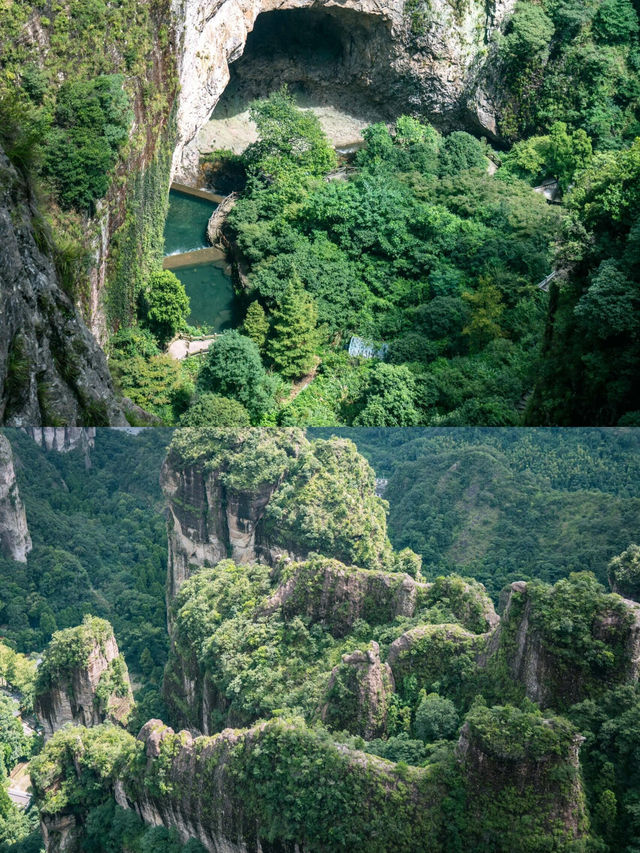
x=165, y=305
x=624, y=573
x=294, y=337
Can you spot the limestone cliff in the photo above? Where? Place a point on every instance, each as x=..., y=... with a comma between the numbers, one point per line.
x=569, y=641
x=221, y=613
x=51, y=368
x=83, y=679
x=63, y=439
x=282, y=786
x=259, y=495
x=15, y=541
x=358, y=694
x=428, y=60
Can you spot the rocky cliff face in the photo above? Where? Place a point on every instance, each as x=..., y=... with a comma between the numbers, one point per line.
x=259, y=496
x=428, y=60
x=83, y=679
x=210, y=514
x=336, y=595
x=358, y=694
x=281, y=786
x=576, y=649
x=51, y=368
x=15, y=541
x=63, y=439
x=509, y=755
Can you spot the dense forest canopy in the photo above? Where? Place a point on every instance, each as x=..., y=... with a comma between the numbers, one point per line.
x=419, y=246
x=517, y=504
x=551, y=506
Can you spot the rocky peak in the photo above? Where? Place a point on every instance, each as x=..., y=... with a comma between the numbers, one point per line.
x=258, y=495
x=358, y=694
x=327, y=591
x=218, y=484
x=509, y=755
x=83, y=679
x=15, y=541
x=569, y=641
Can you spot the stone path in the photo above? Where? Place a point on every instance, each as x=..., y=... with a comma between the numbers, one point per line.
x=19, y=784
x=180, y=348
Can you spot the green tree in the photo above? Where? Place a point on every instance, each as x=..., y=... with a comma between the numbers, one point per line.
x=567, y=152
x=294, y=332
x=389, y=398
x=91, y=123
x=436, y=718
x=288, y=137
x=166, y=305
x=256, y=325
x=486, y=311
x=624, y=573
x=461, y=151
x=214, y=410
x=616, y=21
x=529, y=33
x=233, y=369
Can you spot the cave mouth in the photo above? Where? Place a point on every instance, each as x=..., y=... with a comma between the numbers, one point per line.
x=336, y=61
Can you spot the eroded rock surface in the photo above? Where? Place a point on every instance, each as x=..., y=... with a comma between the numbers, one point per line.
x=259, y=496
x=358, y=694
x=15, y=540
x=336, y=595
x=540, y=659
x=51, y=368
x=63, y=439
x=433, y=67
x=83, y=679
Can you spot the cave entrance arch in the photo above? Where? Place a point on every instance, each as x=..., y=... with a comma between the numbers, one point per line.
x=337, y=60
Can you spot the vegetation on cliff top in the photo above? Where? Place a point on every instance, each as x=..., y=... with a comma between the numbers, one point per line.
x=69, y=650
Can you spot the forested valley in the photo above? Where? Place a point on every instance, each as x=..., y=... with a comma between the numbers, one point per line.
x=481, y=302
x=545, y=519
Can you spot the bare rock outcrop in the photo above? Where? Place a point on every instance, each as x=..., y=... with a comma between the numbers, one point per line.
x=358, y=694
x=15, y=541
x=431, y=65
x=217, y=218
x=83, y=679
x=63, y=439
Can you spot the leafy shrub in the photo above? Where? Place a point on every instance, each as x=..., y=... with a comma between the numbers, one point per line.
x=91, y=122
x=436, y=718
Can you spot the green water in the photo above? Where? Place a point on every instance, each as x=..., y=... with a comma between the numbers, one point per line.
x=208, y=286
x=186, y=226
x=213, y=301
